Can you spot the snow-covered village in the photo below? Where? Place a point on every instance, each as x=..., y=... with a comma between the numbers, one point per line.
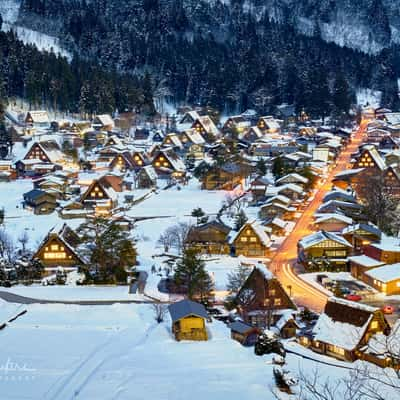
x=199, y=199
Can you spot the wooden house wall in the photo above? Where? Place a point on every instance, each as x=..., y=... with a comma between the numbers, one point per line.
x=248, y=244
x=54, y=252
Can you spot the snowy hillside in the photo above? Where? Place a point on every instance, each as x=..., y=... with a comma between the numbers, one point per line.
x=9, y=10
x=40, y=40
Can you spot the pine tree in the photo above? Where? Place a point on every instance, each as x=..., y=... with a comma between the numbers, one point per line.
x=191, y=276
x=341, y=94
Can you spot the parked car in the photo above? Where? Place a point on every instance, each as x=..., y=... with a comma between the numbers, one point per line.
x=388, y=309
x=353, y=297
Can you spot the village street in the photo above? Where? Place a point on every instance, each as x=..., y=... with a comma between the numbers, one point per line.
x=284, y=262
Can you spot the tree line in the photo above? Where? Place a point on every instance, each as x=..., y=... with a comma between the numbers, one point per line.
x=215, y=53
x=45, y=79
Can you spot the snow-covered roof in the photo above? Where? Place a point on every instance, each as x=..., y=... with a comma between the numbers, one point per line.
x=343, y=323
x=366, y=261
x=184, y=308
x=105, y=119
x=292, y=187
x=39, y=116
x=194, y=136
x=293, y=177
x=348, y=172
x=258, y=229
x=333, y=216
x=321, y=236
x=386, y=273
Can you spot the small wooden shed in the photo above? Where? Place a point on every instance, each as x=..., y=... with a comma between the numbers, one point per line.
x=188, y=320
x=243, y=333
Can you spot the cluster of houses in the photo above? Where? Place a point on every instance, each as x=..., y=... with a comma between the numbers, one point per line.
x=346, y=330
x=81, y=169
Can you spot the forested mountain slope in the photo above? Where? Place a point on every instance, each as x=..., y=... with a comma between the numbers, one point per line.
x=232, y=53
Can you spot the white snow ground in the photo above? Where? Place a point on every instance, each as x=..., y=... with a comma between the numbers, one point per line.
x=114, y=352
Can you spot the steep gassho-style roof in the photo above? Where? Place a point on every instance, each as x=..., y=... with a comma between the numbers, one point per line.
x=259, y=231
x=343, y=323
x=184, y=308
x=39, y=116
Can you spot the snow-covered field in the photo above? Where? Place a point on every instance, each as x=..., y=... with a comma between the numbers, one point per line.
x=119, y=352
x=18, y=220
x=75, y=293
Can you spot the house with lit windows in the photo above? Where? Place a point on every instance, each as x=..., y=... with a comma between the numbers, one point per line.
x=206, y=127
x=37, y=118
x=40, y=201
x=251, y=240
x=261, y=301
x=269, y=124
x=344, y=329
x=168, y=164
x=45, y=152
x=324, y=246
x=59, y=248
x=122, y=161
x=100, y=196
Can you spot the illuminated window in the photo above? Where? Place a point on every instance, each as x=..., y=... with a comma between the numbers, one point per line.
x=157, y=164
x=253, y=239
x=54, y=255
x=272, y=292
x=54, y=247
x=96, y=189
x=93, y=194
x=374, y=325
x=165, y=164
x=161, y=158
x=277, y=302
x=243, y=239
x=248, y=232
x=100, y=194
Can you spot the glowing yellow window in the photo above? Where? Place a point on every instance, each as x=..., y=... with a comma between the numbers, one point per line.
x=161, y=158
x=96, y=189
x=93, y=194
x=253, y=239
x=100, y=194
x=277, y=302
x=243, y=239
x=165, y=164
x=157, y=164
x=54, y=247
x=248, y=232
x=374, y=325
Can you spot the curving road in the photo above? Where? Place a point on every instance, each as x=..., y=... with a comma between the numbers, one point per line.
x=285, y=259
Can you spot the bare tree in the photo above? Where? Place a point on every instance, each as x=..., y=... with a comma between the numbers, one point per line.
x=166, y=240
x=6, y=246
x=380, y=204
x=160, y=311
x=237, y=278
x=176, y=235
x=23, y=239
